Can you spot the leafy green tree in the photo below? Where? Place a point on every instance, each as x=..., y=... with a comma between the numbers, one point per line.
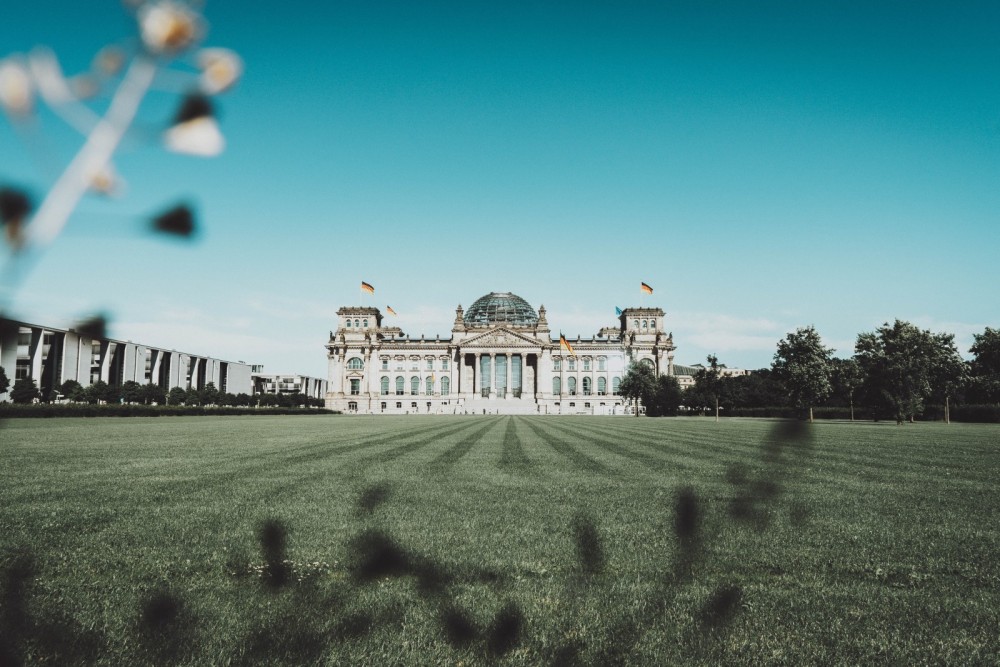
x=666, y=397
x=268, y=400
x=100, y=392
x=4, y=381
x=153, y=393
x=73, y=391
x=759, y=389
x=131, y=392
x=708, y=384
x=803, y=365
x=900, y=363
x=949, y=372
x=25, y=391
x=639, y=384
x=846, y=379
x=177, y=396
x=986, y=365
x=192, y=397
x=209, y=394
x=243, y=399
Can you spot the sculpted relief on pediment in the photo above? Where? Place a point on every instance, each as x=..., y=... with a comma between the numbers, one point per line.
x=500, y=338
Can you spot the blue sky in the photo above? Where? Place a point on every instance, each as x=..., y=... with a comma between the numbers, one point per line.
x=763, y=166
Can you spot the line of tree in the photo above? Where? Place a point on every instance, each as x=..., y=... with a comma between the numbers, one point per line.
x=897, y=371
x=26, y=391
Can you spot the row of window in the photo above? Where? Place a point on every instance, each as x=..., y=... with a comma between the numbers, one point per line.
x=646, y=324
x=445, y=385
x=358, y=324
x=588, y=385
x=602, y=364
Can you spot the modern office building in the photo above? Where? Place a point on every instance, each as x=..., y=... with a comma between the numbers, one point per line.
x=51, y=356
x=501, y=358
x=287, y=384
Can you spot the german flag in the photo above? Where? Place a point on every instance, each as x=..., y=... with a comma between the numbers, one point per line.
x=365, y=287
x=645, y=288
x=389, y=310
x=564, y=344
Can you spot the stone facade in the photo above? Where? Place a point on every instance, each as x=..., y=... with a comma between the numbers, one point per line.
x=501, y=358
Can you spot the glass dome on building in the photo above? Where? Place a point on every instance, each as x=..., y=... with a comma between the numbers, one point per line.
x=501, y=308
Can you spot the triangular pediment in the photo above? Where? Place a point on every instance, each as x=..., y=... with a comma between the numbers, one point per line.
x=500, y=337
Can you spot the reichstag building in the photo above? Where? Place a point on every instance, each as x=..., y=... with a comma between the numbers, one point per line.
x=501, y=358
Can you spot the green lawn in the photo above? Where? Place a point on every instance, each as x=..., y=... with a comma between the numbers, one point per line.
x=519, y=540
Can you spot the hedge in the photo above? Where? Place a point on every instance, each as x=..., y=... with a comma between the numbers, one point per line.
x=9, y=410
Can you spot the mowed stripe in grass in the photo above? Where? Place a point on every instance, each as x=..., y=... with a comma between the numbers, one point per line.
x=842, y=543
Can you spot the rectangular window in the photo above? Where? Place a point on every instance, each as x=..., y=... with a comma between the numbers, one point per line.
x=399, y=404
x=602, y=364
x=586, y=364
x=355, y=386
x=430, y=364
x=557, y=364
x=572, y=364
x=385, y=364
x=444, y=364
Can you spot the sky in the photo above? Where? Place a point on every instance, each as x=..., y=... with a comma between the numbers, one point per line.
x=763, y=166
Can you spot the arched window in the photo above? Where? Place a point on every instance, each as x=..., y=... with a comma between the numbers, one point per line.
x=400, y=384
x=414, y=385
x=355, y=364
x=602, y=386
x=357, y=324
x=649, y=362
x=616, y=385
x=385, y=384
x=635, y=324
x=586, y=386
x=556, y=386
x=572, y=386
x=644, y=324
x=445, y=386
x=348, y=323
x=365, y=322
x=430, y=385
x=652, y=324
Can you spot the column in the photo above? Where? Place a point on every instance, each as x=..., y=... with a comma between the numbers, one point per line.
x=477, y=379
x=493, y=374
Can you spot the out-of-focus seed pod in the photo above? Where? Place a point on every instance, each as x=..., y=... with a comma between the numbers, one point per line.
x=17, y=94
x=195, y=130
x=220, y=70
x=167, y=28
x=14, y=209
x=177, y=221
x=107, y=182
x=109, y=61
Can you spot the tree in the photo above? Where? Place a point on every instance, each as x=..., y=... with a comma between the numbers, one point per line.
x=900, y=363
x=803, y=364
x=209, y=394
x=666, y=397
x=986, y=365
x=708, y=384
x=846, y=378
x=153, y=393
x=243, y=399
x=99, y=392
x=73, y=391
x=638, y=384
x=25, y=391
x=4, y=381
x=949, y=372
x=131, y=392
x=177, y=396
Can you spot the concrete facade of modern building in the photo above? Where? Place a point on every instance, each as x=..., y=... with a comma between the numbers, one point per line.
x=288, y=384
x=501, y=358
x=51, y=356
